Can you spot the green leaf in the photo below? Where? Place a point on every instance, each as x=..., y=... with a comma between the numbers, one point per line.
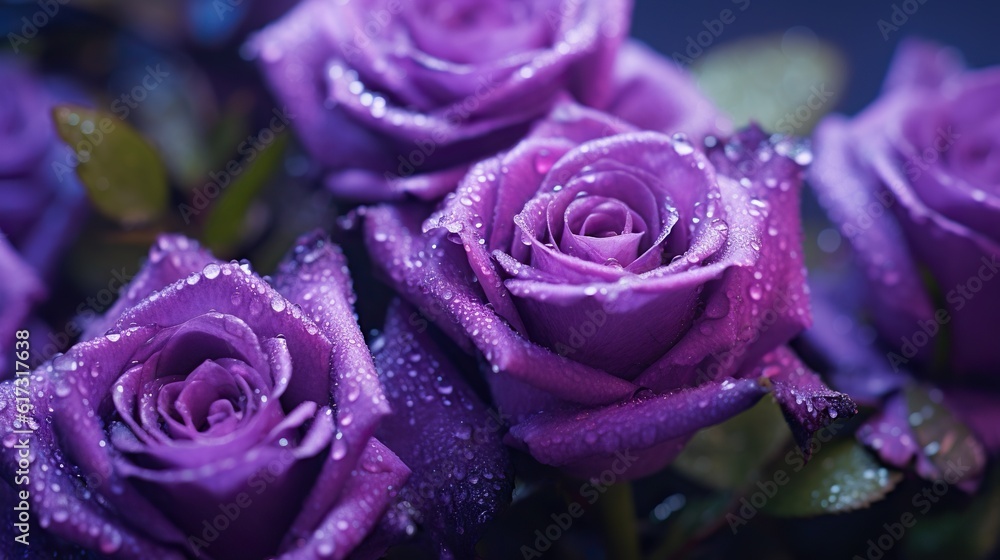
x=970, y=533
x=122, y=173
x=841, y=477
x=618, y=511
x=730, y=455
x=225, y=225
x=228, y=131
x=945, y=440
x=784, y=82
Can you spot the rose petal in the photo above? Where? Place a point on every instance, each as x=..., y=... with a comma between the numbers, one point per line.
x=367, y=493
x=969, y=255
x=944, y=141
x=168, y=451
x=439, y=283
x=172, y=257
x=25, y=121
x=21, y=289
x=642, y=433
x=229, y=289
x=922, y=64
x=655, y=94
x=77, y=436
x=760, y=300
x=388, y=96
x=807, y=403
x=862, y=210
x=315, y=275
x=367, y=186
x=889, y=433
x=462, y=475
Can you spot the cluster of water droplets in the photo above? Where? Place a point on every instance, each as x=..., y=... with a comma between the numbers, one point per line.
x=62, y=494
x=849, y=487
x=459, y=462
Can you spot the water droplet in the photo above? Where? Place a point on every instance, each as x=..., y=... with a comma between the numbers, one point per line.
x=339, y=449
x=325, y=549
x=543, y=162
x=681, y=145
x=110, y=541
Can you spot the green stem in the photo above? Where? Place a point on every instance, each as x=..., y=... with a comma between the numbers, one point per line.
x=618, y=511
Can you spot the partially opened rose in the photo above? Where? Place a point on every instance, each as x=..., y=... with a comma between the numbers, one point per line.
x=913, y=183
x=397, y=98
x=625, y=289
x=216, y=416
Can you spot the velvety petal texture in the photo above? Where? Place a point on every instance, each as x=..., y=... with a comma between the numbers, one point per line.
x=462, y=473
x=630, y=278
x=914, y=185
x=396, y=98
x=217, y=416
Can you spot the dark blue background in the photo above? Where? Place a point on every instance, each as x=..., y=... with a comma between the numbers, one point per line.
x=972, y=26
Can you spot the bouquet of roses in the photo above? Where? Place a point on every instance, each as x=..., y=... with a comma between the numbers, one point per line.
x=435, y=279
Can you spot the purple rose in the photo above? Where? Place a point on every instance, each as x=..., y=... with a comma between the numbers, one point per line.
x=41, y=199
x=913, y=183
x=625, y=289
x=398, y=98
x=40, y=206
x=462, y=474
x=19, y=291
x=218, y=417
